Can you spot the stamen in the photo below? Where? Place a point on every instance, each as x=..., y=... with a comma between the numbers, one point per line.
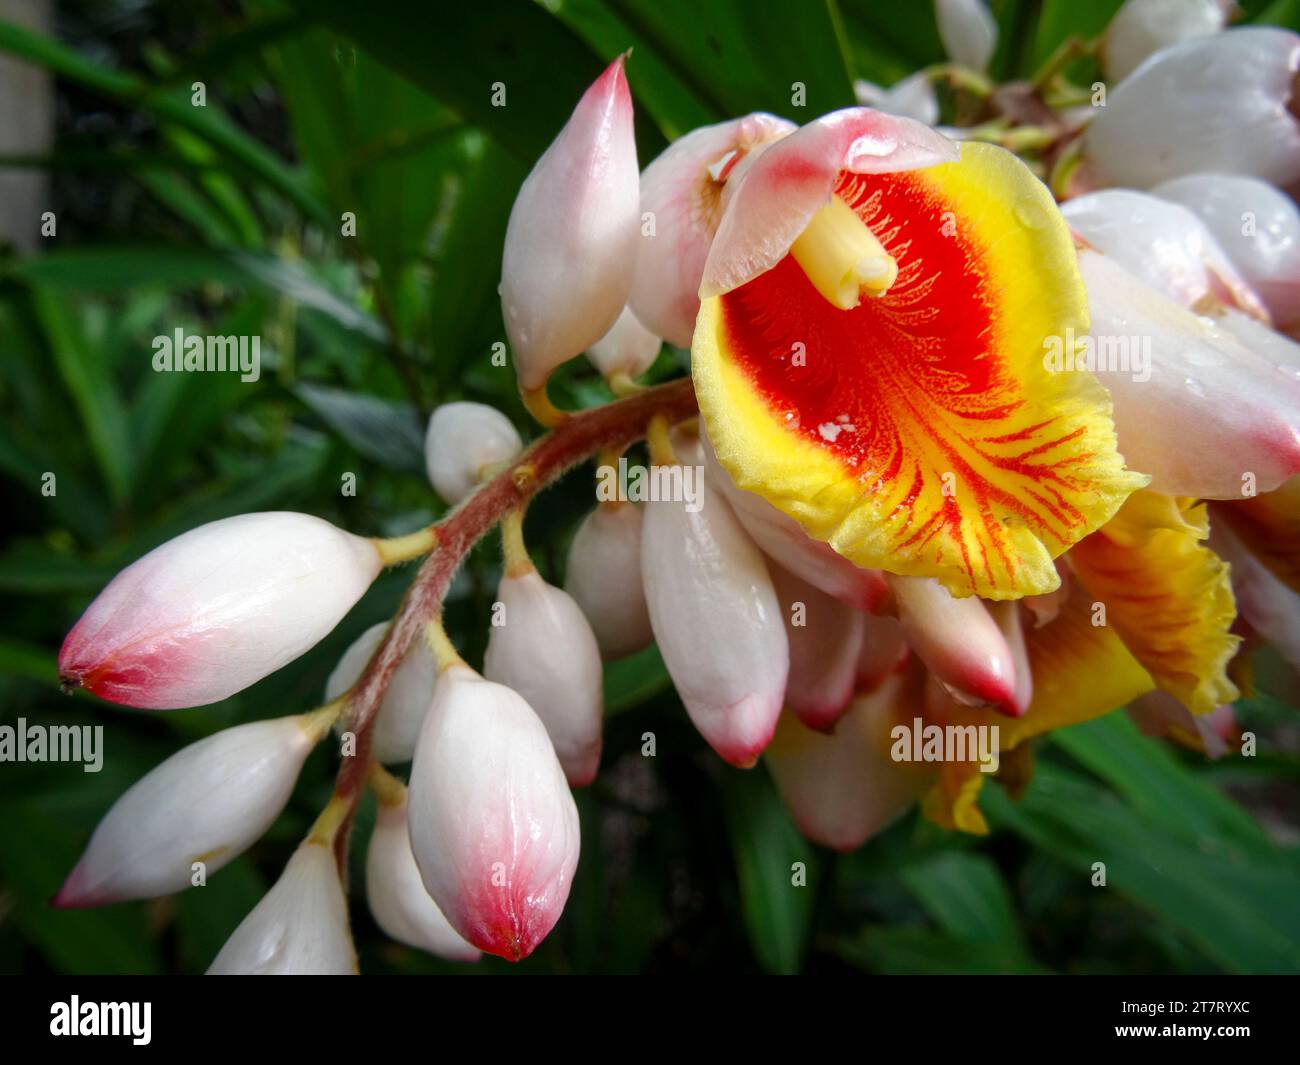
x=842, y=257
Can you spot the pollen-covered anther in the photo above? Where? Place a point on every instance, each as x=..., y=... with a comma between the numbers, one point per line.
x=842, y=257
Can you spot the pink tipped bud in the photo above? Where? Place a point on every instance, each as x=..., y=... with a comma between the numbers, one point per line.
x=493, y=826
x=959, y=642
x=1011, y=623
x=398, y=901
x=406, y=699
x=1141, y=28
x=1159, y=714
x=843, y=788
x=300, y=928
x=825, y=639
x=717, y=622
x=217, y=609
x=968, y=30
x=783, y=539
x=570, y=246
x=193, y=814
x=628, y=348
x=1219, y=103
x=604, y=577
x=463, y=442
x=545, y=650
x=884, y=652
x=682, y=191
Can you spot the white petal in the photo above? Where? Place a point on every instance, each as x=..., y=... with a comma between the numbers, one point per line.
x=207, y=803
x=681, y=200
x=406, y=700
x=912, y=97
x=398, y=901
x=1142, y=27
x=629, y=347
x=1212, y=103
x=843, y=788
x=717, y=622
x=1164, y=244
x=1256, y=225
x=1206, y=411
x=825, y=638
x=545, y=650
x=968, y=30
x=604, y=577
x=217, y=609
x=462, y=441
x=300, y=928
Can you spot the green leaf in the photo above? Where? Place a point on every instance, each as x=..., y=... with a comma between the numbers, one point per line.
x=1151, y=778
x=1236, y=904
x=383, y=430
x=766, y=845
x=965, y=894
x=910, y=951
x=92, y=390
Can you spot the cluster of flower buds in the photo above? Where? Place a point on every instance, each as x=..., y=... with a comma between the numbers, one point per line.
x=893, y=511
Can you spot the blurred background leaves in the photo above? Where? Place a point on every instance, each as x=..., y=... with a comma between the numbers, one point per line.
x=229, y=218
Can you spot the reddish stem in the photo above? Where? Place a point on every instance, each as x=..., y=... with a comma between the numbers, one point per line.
x=615, y=425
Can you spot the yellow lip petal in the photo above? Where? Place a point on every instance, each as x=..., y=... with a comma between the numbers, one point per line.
x=922, y=431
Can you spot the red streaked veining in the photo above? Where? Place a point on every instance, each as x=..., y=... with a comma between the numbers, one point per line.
x=911, y=384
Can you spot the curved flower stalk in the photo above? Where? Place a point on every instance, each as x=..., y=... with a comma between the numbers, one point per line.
x=570, y=246
x=1141, y=28
x=1220, y=103
x=493, y=826
x=300, y=928
x=1257, y=226
x=405, y=702
x=902, y=432
x=217, y=609
x=195, y=813
x=394, y=889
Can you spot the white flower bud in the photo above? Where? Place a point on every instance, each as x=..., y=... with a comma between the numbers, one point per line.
x=545, y=650
x=603, y=575
x=493, y=826
x=629, y=347
x=717, y=622
x=1164, y=244
x=300, y=928
x=570, y=247
x=912, y=97
x=204, y=806
x=463, y=440
x=825, y=639
x=843, y=788
x=1256, y=225
x=406, y=699
x=398, y=900
x=1212, y=103
x=1143, y=27
x=217, y=609
x=968, y=31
